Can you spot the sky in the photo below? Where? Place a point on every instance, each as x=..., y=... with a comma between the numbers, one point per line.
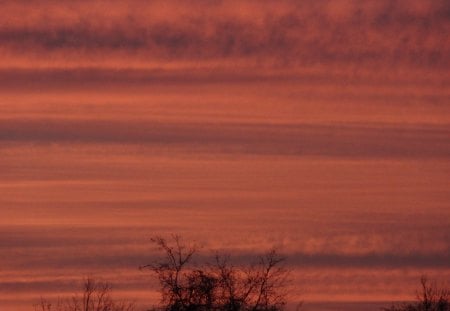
x=320, y=128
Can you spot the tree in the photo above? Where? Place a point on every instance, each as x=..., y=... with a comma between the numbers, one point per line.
x=430, y=298
x=219, y=285
x=95, y=297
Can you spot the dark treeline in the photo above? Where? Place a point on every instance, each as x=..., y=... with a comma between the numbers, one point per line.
x=262, y=285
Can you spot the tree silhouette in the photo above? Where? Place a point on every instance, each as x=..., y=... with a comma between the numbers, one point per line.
x=430, y=298
x=219, y=285
x=95, y=296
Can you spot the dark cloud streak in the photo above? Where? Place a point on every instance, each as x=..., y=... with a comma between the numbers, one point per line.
x=367, y=141
x=301, y=34
x=100, y=256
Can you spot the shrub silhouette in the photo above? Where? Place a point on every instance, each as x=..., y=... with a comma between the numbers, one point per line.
x=95, y=296
x=219, y=285
x=430, y=298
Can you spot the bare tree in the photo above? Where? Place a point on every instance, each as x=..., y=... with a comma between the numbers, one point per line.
x=171, y=271
x=260, y=286
x=95, y=296
x=431, y=297
x=219, y=285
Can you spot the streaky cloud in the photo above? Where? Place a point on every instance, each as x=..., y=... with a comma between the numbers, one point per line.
x=300, y=33
x=338, y=140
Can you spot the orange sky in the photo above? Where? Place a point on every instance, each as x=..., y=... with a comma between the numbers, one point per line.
x=319, y=127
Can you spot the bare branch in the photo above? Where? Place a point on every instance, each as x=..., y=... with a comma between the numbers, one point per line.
x=95, y=297
x=217, y=286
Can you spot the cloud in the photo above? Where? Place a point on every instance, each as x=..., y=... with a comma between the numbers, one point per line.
x=366, y=141
x=289, y=32
x=417, y=260
x=129, y=255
